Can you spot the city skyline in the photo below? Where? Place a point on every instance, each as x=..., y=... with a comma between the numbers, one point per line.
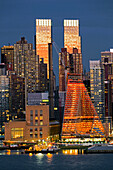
x=95, y=24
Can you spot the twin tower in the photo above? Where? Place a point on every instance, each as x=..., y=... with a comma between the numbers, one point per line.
x=44, y=34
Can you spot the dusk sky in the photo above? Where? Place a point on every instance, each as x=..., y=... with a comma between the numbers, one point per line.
x=17, y=19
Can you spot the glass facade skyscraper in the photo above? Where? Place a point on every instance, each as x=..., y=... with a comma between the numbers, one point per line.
x=71, y=35
x=97, y=87
x=43, y=37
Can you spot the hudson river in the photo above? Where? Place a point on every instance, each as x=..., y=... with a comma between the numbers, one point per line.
x=60, y=161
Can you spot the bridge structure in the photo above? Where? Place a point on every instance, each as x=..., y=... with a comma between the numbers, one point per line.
x=80, y=117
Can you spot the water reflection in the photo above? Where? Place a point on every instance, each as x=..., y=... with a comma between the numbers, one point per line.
x=49, y=156
x=73, y=151
x=39, y=155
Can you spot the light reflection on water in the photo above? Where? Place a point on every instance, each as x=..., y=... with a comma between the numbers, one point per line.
x=72, y=151
x=68, y=160
x=49, y=156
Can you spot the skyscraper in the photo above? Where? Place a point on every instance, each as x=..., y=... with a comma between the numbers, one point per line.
x=43, y=37
x=69, y=63
x=42, y=72
x=71, y=35
x=97, y=88
x=107, y=62
x=25, y=63
x=7, y=56
x=4, y=101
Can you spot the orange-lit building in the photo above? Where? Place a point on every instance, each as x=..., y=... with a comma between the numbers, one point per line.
x=36, y=126
x=71, y=35
x=69, y=63
x=80, y=116
x=43, y=37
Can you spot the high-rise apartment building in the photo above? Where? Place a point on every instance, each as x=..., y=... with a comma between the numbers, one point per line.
x=97, y=88
x=7, y=56
x=71, y=35
x=107, y=62
x=4, y=101
x=25, y=63
x=43, y=37
x=17, y=95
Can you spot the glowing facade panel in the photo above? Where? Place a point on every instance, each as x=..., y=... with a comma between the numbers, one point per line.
x=80, y=117
x=71, y=35
x=43, y=37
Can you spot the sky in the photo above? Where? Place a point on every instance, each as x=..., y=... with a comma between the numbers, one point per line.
x=17, y=19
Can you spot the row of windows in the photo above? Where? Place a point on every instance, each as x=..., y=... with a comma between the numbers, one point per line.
x=36, y=135
x=36, y=113
x=37, y=123
x=31, y=129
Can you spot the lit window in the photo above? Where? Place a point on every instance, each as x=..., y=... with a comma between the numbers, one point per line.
x=41, y=122
x=36, y=122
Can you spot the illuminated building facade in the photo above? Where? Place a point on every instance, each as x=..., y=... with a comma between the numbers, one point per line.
x=4, y=101
x=69, y=63
x=7, y=56
x=71, y=35
x=107, y=62
x=25, y=63
x=97, y=88
x=36, y=126
x=80, y=116
x=43, y=37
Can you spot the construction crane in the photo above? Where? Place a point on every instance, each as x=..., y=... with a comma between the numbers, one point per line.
x=57, y=51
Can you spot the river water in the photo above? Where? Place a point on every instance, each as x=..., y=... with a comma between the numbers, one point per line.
x=65, y=160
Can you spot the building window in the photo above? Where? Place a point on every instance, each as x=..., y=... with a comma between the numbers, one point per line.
x=35, y=129
x=41, y=112
x=36, y=122
x=40, y=129
x=16, y=133
x=31, y=132
x=36, y=113
x=41, y=134
x=41, y=122
x=31, y=114
x=36, y=135
x=31, y=135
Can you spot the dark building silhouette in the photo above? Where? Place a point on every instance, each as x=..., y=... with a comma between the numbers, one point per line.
x=7, y=56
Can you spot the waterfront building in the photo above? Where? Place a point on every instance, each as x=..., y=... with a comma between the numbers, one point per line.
x=4, y=101
x=7, y=56
x=97, y=88
x=80, y=117
x=43, y=37
x=36, y=126
x=71, y=35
